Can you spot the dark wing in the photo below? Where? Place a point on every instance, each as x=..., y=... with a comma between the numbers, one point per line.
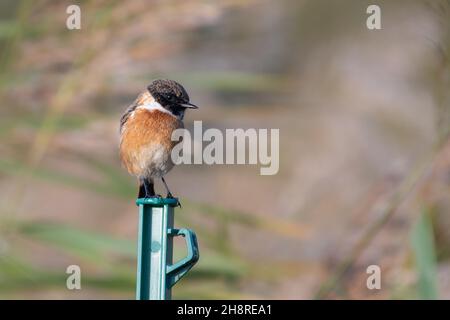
x=127, y=114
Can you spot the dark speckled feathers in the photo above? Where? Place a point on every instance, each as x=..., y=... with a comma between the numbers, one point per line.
x=144, y=97
x=168, y=91
x=126, y=115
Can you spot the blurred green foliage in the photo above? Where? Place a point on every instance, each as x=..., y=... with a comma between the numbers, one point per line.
x=422, y=241
x=223, y=270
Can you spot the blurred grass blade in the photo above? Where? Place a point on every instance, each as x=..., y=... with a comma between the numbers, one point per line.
x=98, y=248
x=117, y=184
x=213, y=265
x=425, y=257
x=16, y=168
x=276, y=225
x=89, y=245
x=16, y=273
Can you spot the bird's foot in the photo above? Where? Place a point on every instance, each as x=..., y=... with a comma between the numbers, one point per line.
x=153, y=196
x=170, y=196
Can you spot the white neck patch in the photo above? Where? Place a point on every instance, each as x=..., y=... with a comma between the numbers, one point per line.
x=153, y=105
x=146, y=101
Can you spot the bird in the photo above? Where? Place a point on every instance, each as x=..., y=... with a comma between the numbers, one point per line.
x=145, y=133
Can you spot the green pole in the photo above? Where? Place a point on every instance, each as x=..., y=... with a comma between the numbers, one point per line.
x=156, y=274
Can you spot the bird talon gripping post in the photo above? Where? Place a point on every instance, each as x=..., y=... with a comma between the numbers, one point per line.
x=156, y=272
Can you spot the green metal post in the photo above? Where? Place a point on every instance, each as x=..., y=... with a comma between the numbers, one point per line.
x=156, y=274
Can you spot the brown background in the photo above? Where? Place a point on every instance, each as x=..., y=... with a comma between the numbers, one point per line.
x=364, y=151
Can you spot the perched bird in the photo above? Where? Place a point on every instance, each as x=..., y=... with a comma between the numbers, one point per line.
x=145, y=133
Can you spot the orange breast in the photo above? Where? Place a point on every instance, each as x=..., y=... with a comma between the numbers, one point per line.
x=143, y=130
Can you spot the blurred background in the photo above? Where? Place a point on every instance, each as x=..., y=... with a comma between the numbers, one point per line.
x=364, y=172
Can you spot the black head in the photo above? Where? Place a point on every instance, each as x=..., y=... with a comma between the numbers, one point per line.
x=171, y=95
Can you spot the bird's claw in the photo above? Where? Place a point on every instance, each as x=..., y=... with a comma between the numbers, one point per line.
x=155, y=196
x=170, y=196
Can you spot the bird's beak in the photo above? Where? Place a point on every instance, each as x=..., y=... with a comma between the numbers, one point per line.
x=188, y=105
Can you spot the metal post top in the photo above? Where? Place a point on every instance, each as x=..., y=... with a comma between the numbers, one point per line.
x=158, y=202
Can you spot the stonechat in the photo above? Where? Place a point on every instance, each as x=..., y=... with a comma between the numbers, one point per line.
x=145, y=133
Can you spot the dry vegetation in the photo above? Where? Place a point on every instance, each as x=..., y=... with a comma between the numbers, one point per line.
x=364, y=120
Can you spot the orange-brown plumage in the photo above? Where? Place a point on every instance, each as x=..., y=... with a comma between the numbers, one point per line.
x=145, y=130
